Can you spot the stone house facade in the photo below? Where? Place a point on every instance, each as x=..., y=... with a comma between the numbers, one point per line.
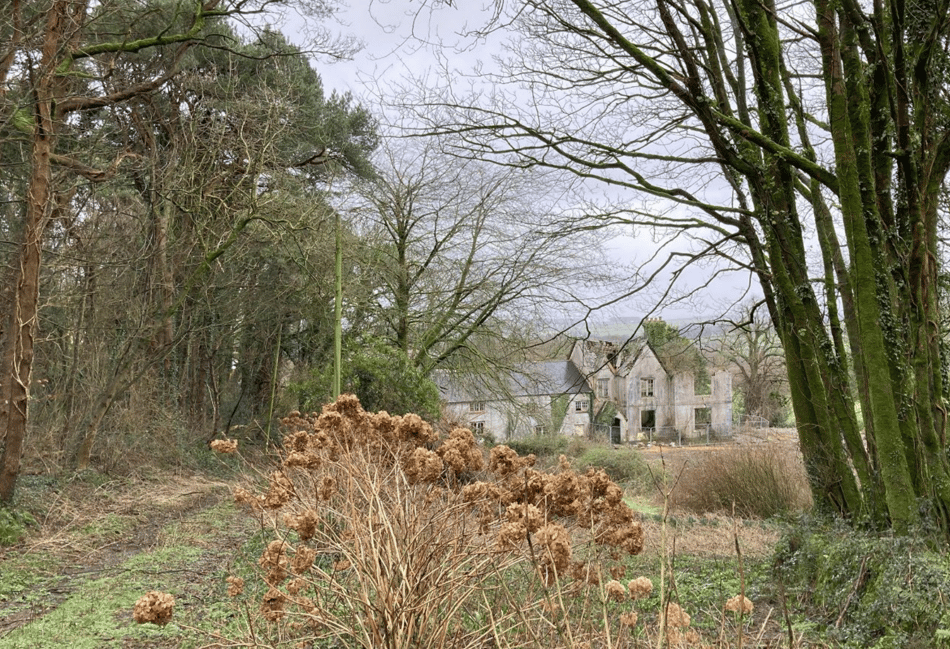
x=625, y=384
x=649, y=400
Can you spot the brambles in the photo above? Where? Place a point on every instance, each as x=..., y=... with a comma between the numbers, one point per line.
x=625, y=465
x=866, y=589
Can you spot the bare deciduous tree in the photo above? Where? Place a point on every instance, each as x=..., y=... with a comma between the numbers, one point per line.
x=466, y=258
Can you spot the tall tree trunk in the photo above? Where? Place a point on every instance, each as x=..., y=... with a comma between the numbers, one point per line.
x=16, y=366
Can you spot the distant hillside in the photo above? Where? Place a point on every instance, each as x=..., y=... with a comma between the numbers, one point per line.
x=620, y=329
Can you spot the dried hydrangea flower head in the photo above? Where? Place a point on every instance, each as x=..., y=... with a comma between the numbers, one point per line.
x=235, y=586
x=615, y=591
x=676, y=617
x=274, y=560
x=226, y=446
x=640, y=588
x=739, y=604
x=154, y=608
x=272, y=605
x=460, y=452
x=422, y=465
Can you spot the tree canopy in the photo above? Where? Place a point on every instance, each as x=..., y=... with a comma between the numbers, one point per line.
x=166, y=161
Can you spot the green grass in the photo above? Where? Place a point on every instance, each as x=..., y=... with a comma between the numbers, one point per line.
x=191, y=559
x=643, y=506
x=98, y=613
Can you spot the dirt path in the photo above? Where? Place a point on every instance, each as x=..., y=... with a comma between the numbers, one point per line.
x=99, y=544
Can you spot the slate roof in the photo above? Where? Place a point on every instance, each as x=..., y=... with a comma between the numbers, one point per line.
x=541, y=378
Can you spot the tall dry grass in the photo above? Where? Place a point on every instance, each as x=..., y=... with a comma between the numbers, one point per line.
x=752, y=482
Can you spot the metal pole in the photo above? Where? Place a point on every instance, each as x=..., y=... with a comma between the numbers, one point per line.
x=338, y=315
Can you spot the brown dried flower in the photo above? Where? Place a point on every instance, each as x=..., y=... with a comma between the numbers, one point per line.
x=629, y=619
x=226, y=446
x=422, y=465
x=272, y=606
x=528, y=515
x=461, y=451
x=413, y=428
x=739, y=604
x=510, y=535
x=244, y=497
x=503, y=461
x=297, y=441
x=627, y=537
x=303, y=559
x=274, y=559
x=304, y=523
x=556, y=543
x=235, y=586
x=280, y=492
x=640, y=588
x=676, y=617
x=327, y=487
x=154, y=607
x=615, y=590
x=303, y=460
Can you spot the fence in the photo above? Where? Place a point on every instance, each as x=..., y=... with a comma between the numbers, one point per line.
x=747, y=423
x=754, y=427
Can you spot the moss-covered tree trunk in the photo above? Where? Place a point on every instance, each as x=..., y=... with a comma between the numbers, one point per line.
x=884, y=112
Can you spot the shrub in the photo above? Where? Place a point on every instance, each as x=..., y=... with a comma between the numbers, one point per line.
x=542, y=446
x=381, y=375
x=872, y=591
x=755, y=482
x=381, y=536
x=625, y=465
x=13, y=524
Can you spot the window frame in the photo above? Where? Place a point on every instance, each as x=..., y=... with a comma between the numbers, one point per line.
x=647, y=387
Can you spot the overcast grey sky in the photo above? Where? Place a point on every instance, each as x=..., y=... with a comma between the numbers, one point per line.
x=401, y=39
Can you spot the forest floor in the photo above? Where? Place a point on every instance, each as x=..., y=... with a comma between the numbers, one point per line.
x=100, y=543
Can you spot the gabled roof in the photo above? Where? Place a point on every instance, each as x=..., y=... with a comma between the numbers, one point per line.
x=624, y=353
